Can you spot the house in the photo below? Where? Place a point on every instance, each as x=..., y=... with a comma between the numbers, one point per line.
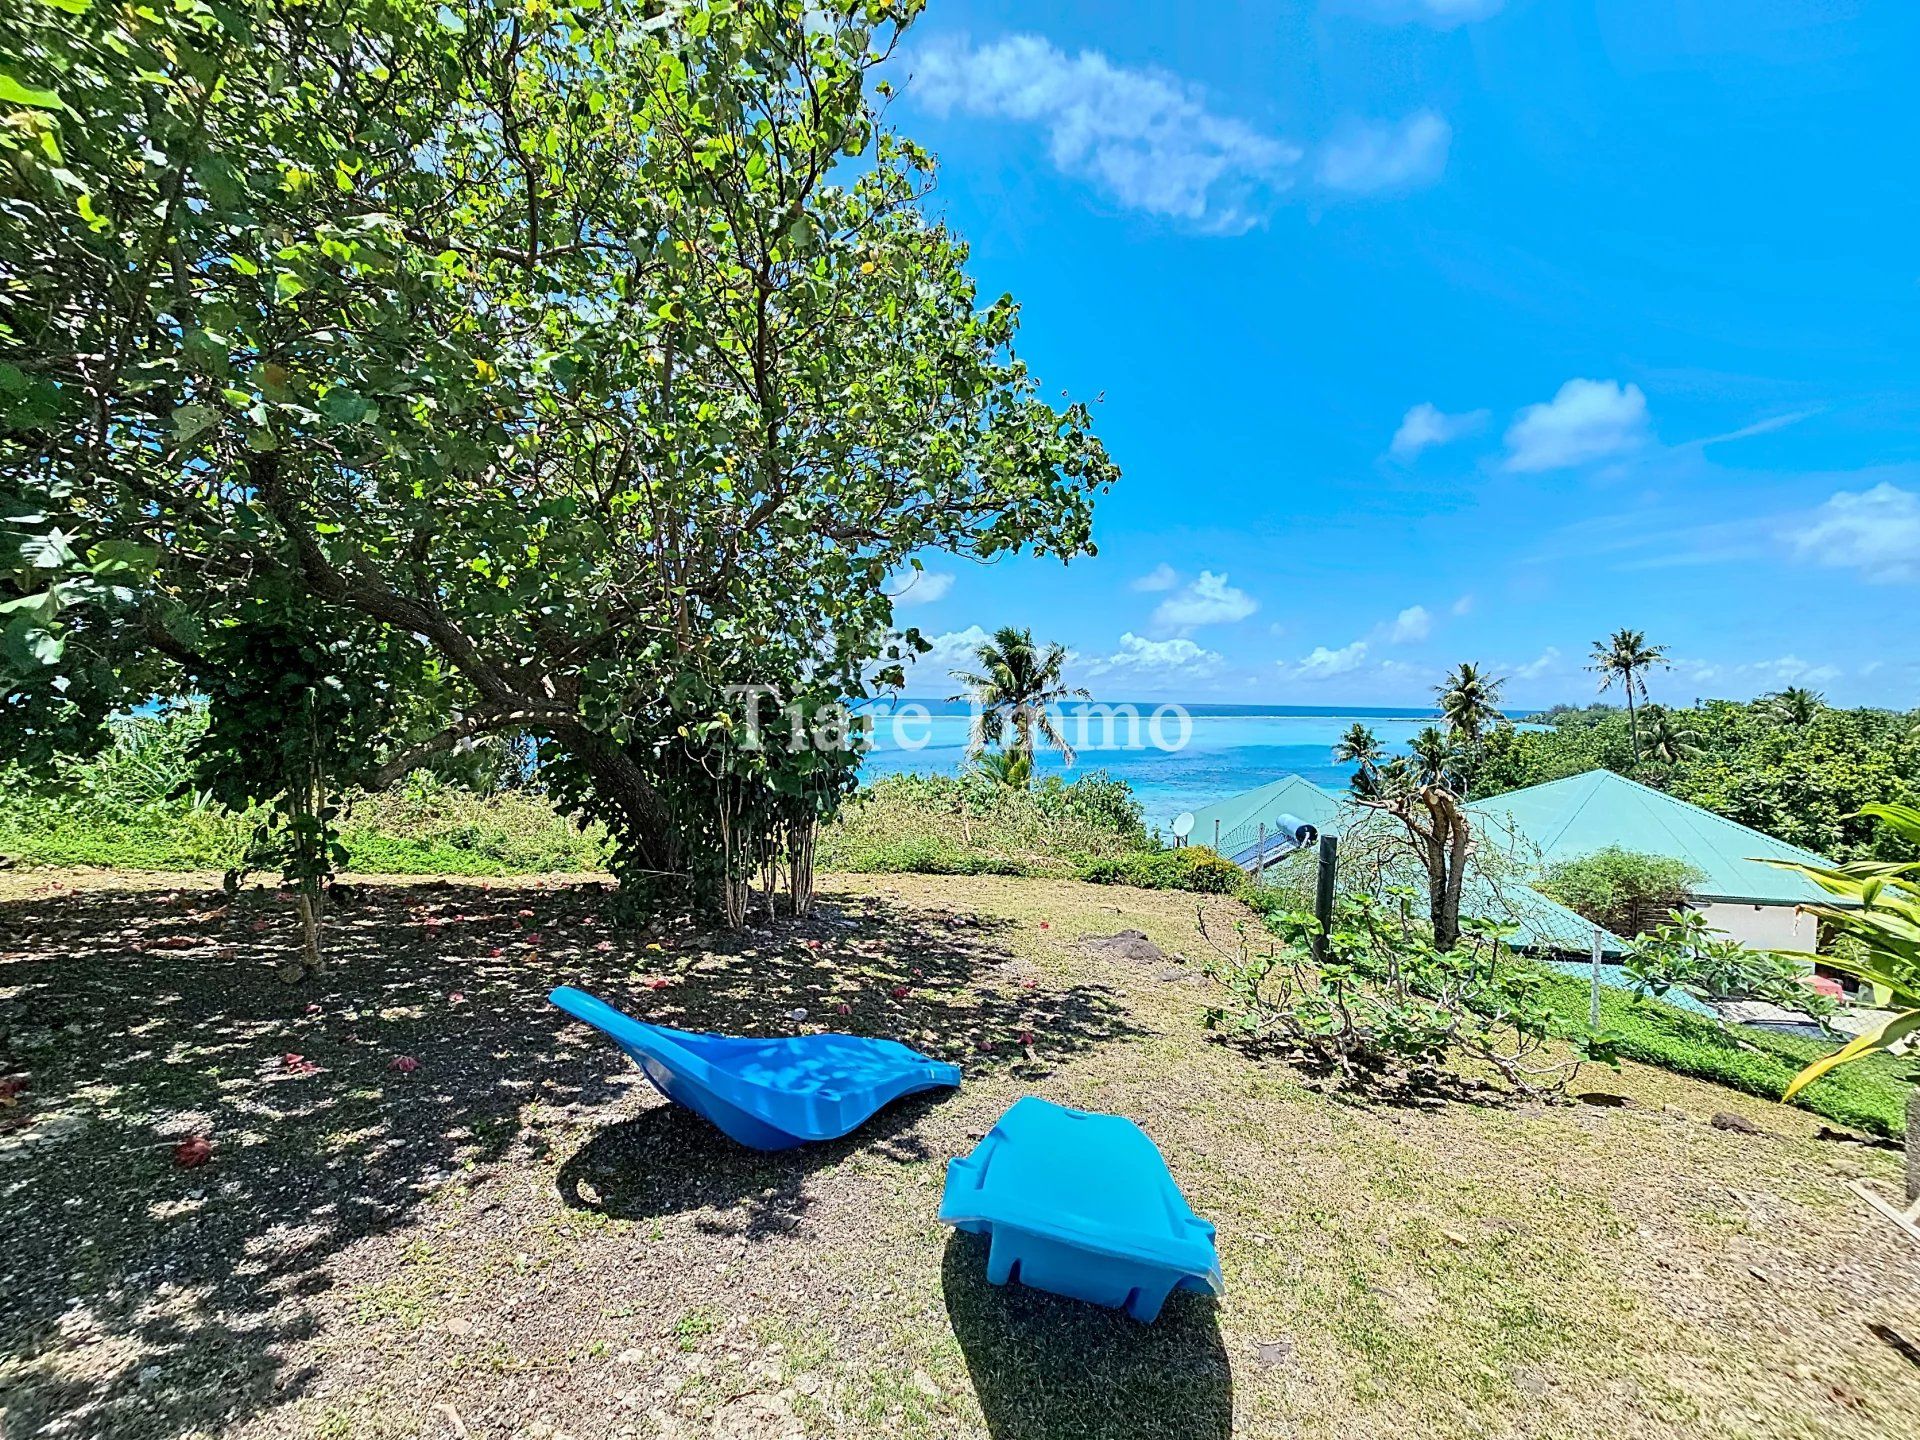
x=1754, y=902
x=1234, y=827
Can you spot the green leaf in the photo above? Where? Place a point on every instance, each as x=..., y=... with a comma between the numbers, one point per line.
x=13, y=91
x=1896, y=1028
x=190, y=420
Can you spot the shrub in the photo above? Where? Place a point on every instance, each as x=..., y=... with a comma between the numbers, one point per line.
x=1192, y=867
x=1622, y=890
x=968, y=825
x=1382, y=1003
x=1689, y=954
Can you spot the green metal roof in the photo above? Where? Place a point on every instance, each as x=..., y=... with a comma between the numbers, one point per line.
x=1582, y=814
x=1545, y=924
x=1241, y=816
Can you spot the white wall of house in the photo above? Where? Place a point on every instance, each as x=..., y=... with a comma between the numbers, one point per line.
x=1763, y=927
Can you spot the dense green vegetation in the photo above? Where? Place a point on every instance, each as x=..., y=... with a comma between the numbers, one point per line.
x=973, y=825
x=1870, y=1096
x=1623, y=890
x=1192, y=867
x=1800, y=774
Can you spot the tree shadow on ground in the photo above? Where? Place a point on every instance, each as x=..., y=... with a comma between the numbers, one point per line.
x=1049, y=1368
x=668, y=1161
x=142, y=1300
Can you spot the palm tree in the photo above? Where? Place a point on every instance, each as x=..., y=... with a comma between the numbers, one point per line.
x=1361, y=747
x=1010, y=692
x=1469, y=701
x=1626, y=657
x=1011, y=768
x=1795, y=705
x=1430, y=757
x=1666, y=742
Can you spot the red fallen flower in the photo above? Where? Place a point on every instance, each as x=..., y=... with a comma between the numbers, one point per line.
x=658, y=984
x=1044, y=925
x=313, y=1008
x=526, y=914
x=986, y=1044
x=900, y=992
x=813, y=944
x=604, y=945
x=918, y=971
x=532, y=937
x=292, y=1061
x=495, y=953
x=405, y=1064
x=844, y=1009
x=1028, y=984
x=258, y=926
x=1026, y=1037
x=191, y=1154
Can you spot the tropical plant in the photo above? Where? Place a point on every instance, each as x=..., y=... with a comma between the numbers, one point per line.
x=1011, y=692
x=1878, y=906
x=1361, y=748
x=1385, y=1003
x=1623, y=890
x=1422, y=791
x=1469, y=701
x=1687, y=953
x=570, y=371
x=1626, y=657
x=1012, y=768
x=1666, y=742
x=1795, y=705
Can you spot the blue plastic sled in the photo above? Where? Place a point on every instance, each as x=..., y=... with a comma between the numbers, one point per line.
x=1082, y=1205
x=769, y=1094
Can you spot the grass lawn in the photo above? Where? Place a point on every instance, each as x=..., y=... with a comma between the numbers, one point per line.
x=518, y=1238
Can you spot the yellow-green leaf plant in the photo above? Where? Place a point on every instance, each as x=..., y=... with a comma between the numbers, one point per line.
x=1877, y=903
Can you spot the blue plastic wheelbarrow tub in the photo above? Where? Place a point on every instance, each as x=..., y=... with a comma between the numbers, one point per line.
x=770, y=1094
x=1082, y=1205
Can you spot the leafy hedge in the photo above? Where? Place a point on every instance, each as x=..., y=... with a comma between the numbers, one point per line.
x=1193, y=867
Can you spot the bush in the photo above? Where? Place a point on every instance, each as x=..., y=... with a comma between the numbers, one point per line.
x=968, y=825
x=1192, y=867
x=1623, y=890
x=1381, y=1003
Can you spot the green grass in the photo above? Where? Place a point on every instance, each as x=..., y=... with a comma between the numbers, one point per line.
x=435, y=830
x=1869, y=1095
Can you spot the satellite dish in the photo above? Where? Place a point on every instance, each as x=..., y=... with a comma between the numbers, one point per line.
x=1183, y=824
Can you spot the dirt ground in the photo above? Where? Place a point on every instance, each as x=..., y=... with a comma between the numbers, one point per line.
x=516, y=1237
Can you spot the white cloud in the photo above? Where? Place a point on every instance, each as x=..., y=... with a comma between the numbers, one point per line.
x=1755, y=675
x=1587, y=420
x=1411, y=624
x=1145, y=137
x=1440, y=14
x=1427, y=424
x=1876, y=532
x=1161, y=577
x=921, y=587
x=1325, y=664
x=1165, y=658
x=954, y=648
x=1209, y=600
x=1545, y=663
x=1463, y=606
x=1365, y=156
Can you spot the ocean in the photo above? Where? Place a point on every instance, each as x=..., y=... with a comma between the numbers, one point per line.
x=1228, y=749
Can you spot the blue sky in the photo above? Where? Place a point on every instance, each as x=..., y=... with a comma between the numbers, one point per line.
x=1437, y=330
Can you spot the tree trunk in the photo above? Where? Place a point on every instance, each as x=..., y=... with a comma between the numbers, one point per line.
x=1913, y=1145
x=1633, y=719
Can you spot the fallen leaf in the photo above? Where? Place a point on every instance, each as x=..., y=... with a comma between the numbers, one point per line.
x=193, y=1153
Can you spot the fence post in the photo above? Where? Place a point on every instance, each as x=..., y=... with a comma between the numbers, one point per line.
x=1323, y=893
x=1260, y=854
x=1593, y=1007
x=1216, y=837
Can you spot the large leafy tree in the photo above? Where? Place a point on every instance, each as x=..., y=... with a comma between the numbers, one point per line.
x=1012, y=690
x=513, y=366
